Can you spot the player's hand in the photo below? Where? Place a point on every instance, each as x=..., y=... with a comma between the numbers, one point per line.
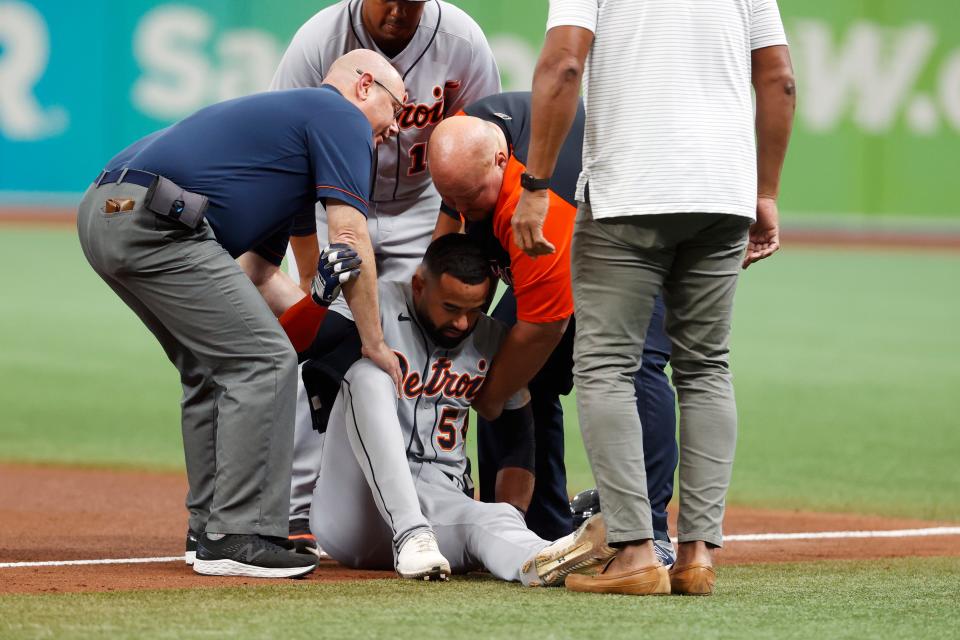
x=764, y=238
x=384, y=357
x=527, y=223
x=339, y=264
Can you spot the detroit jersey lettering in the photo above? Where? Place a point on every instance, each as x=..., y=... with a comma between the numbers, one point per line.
x=438, y=384
x=447, y=65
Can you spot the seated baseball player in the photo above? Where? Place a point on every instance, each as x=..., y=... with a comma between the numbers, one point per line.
x=394, y=469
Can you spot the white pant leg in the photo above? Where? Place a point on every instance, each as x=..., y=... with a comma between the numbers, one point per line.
x=343, y=515
x=400, y=233
x=366, y=417
x=404, y=228
x=472, y=534
x=308, y=443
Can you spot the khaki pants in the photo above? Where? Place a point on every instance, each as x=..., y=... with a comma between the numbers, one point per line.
x=237, y=367
x=619, y=266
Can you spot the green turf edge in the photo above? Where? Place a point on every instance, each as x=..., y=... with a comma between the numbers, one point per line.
x=842, y=361
x=907, y=597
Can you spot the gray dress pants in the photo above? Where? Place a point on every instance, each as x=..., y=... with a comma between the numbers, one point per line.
x=620, y=265
x=237, y=367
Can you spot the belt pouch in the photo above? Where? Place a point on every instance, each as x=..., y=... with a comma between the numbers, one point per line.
x=169, y=200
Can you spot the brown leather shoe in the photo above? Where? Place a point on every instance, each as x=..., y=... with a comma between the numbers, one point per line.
x=692, y=580
x=649, y=581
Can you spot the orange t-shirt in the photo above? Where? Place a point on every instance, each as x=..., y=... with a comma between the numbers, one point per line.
x=542, y=286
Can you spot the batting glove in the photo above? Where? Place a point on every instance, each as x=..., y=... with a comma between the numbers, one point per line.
x=339, y=264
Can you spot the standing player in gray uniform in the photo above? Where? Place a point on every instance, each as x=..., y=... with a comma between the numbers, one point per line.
x=394, y=469
x=446, y=63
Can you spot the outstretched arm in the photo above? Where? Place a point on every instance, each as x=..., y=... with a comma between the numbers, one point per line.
x=522, y=354
x=775, y=87
x=276, y=287
x=349, y=226
x=306, y=251
x=556, y=92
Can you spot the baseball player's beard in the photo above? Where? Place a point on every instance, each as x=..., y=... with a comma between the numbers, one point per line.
x=438, y=337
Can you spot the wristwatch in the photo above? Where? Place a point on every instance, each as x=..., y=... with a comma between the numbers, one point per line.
x=528, y=182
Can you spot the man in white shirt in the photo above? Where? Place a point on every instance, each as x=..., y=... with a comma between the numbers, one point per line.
x=675, y=194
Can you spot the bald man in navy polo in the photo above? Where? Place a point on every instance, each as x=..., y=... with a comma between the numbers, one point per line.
x=163, y=223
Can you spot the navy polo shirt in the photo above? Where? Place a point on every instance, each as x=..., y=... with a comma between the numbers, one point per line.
x=264, y=161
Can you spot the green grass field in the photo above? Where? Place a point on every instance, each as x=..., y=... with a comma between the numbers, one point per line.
x=847, y=381
x=890, y=599
x=845, y=365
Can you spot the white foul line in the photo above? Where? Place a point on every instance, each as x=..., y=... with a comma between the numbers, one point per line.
x=832, y=535
x=77, y=563
x=743, y=537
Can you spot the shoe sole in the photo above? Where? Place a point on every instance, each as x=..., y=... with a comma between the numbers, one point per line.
x=437, y=573
x=584, y=555
x=190, y=557
x=233, y=568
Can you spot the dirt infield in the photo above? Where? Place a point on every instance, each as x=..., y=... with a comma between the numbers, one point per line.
x=39, y=217
x=58, y=514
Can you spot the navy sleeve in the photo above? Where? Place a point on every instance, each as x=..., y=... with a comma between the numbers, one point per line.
x=341, y=153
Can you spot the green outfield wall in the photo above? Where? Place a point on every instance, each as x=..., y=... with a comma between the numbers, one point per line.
x=877, y=133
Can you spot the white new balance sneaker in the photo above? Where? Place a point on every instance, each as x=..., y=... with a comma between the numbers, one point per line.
x=420, y=558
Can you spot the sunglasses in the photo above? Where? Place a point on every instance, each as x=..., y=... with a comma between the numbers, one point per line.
x=398, y=104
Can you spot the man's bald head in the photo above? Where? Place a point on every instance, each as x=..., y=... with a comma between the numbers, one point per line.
x=345, y=68
x=467, y=159
x=366, y=79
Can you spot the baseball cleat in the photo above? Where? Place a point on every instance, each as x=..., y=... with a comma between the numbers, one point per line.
x=583, y=551
x=303, y=540
x=420, y=558
x=190, y=554
x=583, y=505
x=665, y=552
x=307, y=543
x=251, y=556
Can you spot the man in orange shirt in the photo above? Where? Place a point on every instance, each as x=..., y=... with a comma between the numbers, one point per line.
x=477, y=162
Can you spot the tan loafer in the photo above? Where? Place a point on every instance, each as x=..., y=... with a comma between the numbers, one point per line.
x=692, y=580
x=648, y=581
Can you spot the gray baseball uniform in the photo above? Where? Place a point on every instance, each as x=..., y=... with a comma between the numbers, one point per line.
x=394, y=466
x=447, y=65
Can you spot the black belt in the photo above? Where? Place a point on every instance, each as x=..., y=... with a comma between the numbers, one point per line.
x=133, y=176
